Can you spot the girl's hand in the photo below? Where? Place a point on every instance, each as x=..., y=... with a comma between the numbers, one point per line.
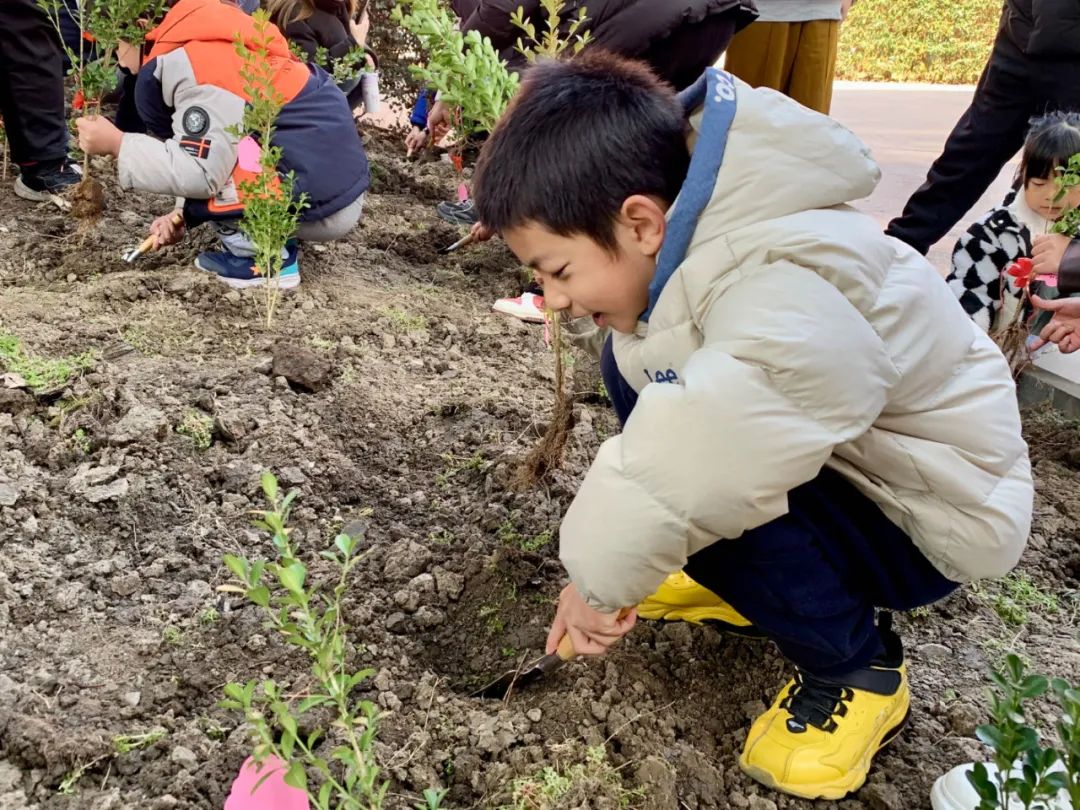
x=1046, y=253
x=1064, y=327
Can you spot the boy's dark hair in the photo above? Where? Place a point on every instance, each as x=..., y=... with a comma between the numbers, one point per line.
x=1052, y=139
x=579, y=138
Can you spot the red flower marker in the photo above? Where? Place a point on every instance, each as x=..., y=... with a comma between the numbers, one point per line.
x=1020, y=270
x=79, y=101
x=459, y=163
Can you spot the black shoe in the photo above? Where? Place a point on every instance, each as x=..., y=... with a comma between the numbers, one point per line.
x=462, y=213
x=41, y=182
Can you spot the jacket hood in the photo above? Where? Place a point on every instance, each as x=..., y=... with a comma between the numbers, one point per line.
x=219, y=22
x=757, y=156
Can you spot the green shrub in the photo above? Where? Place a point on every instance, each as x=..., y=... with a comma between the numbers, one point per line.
x=917, y=40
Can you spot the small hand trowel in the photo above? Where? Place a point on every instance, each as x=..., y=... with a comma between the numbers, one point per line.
x=501, y=687
x=149, y=243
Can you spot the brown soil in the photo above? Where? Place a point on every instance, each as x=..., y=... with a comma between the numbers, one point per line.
x=113, y=526
x=88, y=201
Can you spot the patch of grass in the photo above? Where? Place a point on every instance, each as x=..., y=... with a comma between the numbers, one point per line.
x=209, y=616
x=136, y=742
x=41, y=373
x=121, y=744
x=80, y=440
x=509, y=536
x=493, y=619
x=1017, y=595
x=917, y=40
x=199, y=427
x=921, y=612
x=441, y=538
x=323, y=344
x=173, y=635
x=455, y=465
x=403, y=321
x=592, y=782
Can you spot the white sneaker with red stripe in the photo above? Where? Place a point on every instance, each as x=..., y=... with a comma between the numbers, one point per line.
x=528, y=307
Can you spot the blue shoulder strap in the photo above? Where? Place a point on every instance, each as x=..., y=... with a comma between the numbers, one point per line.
x=717, y=91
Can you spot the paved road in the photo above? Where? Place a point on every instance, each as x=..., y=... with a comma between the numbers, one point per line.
x=906, y=126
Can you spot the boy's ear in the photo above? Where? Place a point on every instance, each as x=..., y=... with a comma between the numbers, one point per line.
x=644, y=218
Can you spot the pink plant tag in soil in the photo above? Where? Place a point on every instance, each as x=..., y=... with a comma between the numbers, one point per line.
x=272, y=794
x=462, y=193
x=248, y=154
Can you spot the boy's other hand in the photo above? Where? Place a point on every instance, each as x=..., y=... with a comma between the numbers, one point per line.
x=165, y=231
x=1064, y=327
x=98, y=135
x=415, y=140
x=590, y=630
x=1046, y=253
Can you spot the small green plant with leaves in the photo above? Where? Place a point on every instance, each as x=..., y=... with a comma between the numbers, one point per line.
x=339, y=771
x=553, y=42
x=272, y=208
x=464, y=68
x=199, y=427
x=1025, y=772
x=1066, y=179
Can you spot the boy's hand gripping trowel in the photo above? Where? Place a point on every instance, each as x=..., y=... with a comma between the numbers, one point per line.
x=501, y=687
x=149, y=243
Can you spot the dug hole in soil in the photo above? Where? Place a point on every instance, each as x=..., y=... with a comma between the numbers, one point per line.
x=410, y=413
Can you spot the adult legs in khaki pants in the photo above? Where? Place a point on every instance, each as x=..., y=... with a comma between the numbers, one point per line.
x=796, y=58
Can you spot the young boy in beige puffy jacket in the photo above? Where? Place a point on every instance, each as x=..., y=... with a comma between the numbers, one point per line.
x=813, y=428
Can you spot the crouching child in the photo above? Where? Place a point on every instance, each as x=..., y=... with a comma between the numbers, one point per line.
x=813, y=430
x=191, y=96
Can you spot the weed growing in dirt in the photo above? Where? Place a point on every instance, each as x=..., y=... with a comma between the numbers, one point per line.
x=456, y=465
x=493, y=620
x=432, y=799
x=403, y=321
x=509, y=536
x=173, y=635
x=121, y=744
x=199, y=427
x=271, y=207
x=1034, y=783
x=1017, y=595
x=41, y=374
x=574, y=785
x=345, y=777
x=80, y=440
x=209, y=616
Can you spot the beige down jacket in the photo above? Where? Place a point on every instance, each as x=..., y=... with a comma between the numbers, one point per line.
x=794, y=335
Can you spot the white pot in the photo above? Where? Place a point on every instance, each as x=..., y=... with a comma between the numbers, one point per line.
x=953, y=791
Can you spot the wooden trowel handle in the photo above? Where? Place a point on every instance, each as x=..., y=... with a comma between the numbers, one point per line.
x=566, y=649
x=150, y=242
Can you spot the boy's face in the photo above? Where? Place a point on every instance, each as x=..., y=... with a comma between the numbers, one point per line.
x=1040, y=194
x=581, y=277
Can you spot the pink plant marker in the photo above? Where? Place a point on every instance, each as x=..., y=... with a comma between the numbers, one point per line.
x=1048, y=278
x=248, y=153
x=462, y=193
x=272, y=794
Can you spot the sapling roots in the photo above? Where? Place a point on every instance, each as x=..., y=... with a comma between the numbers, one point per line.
x=546, y=456
x=1012, y=337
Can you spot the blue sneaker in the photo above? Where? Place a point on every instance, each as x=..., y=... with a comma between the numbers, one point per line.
x=239, y=271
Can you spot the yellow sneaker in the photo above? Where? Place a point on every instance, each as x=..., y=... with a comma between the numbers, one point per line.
x=680, y=599
x=818, y=738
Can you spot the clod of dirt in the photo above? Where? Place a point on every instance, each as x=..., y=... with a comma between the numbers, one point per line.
x=139, y=423
x=88, y=201
x=303, y=369
x=15, y=401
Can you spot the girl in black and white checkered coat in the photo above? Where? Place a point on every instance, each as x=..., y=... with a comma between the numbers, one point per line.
x=1005, y=233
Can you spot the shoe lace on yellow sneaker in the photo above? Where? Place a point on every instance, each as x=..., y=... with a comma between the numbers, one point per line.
x=815, y=702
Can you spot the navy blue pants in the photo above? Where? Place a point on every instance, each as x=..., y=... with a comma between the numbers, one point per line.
x=812, y=579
